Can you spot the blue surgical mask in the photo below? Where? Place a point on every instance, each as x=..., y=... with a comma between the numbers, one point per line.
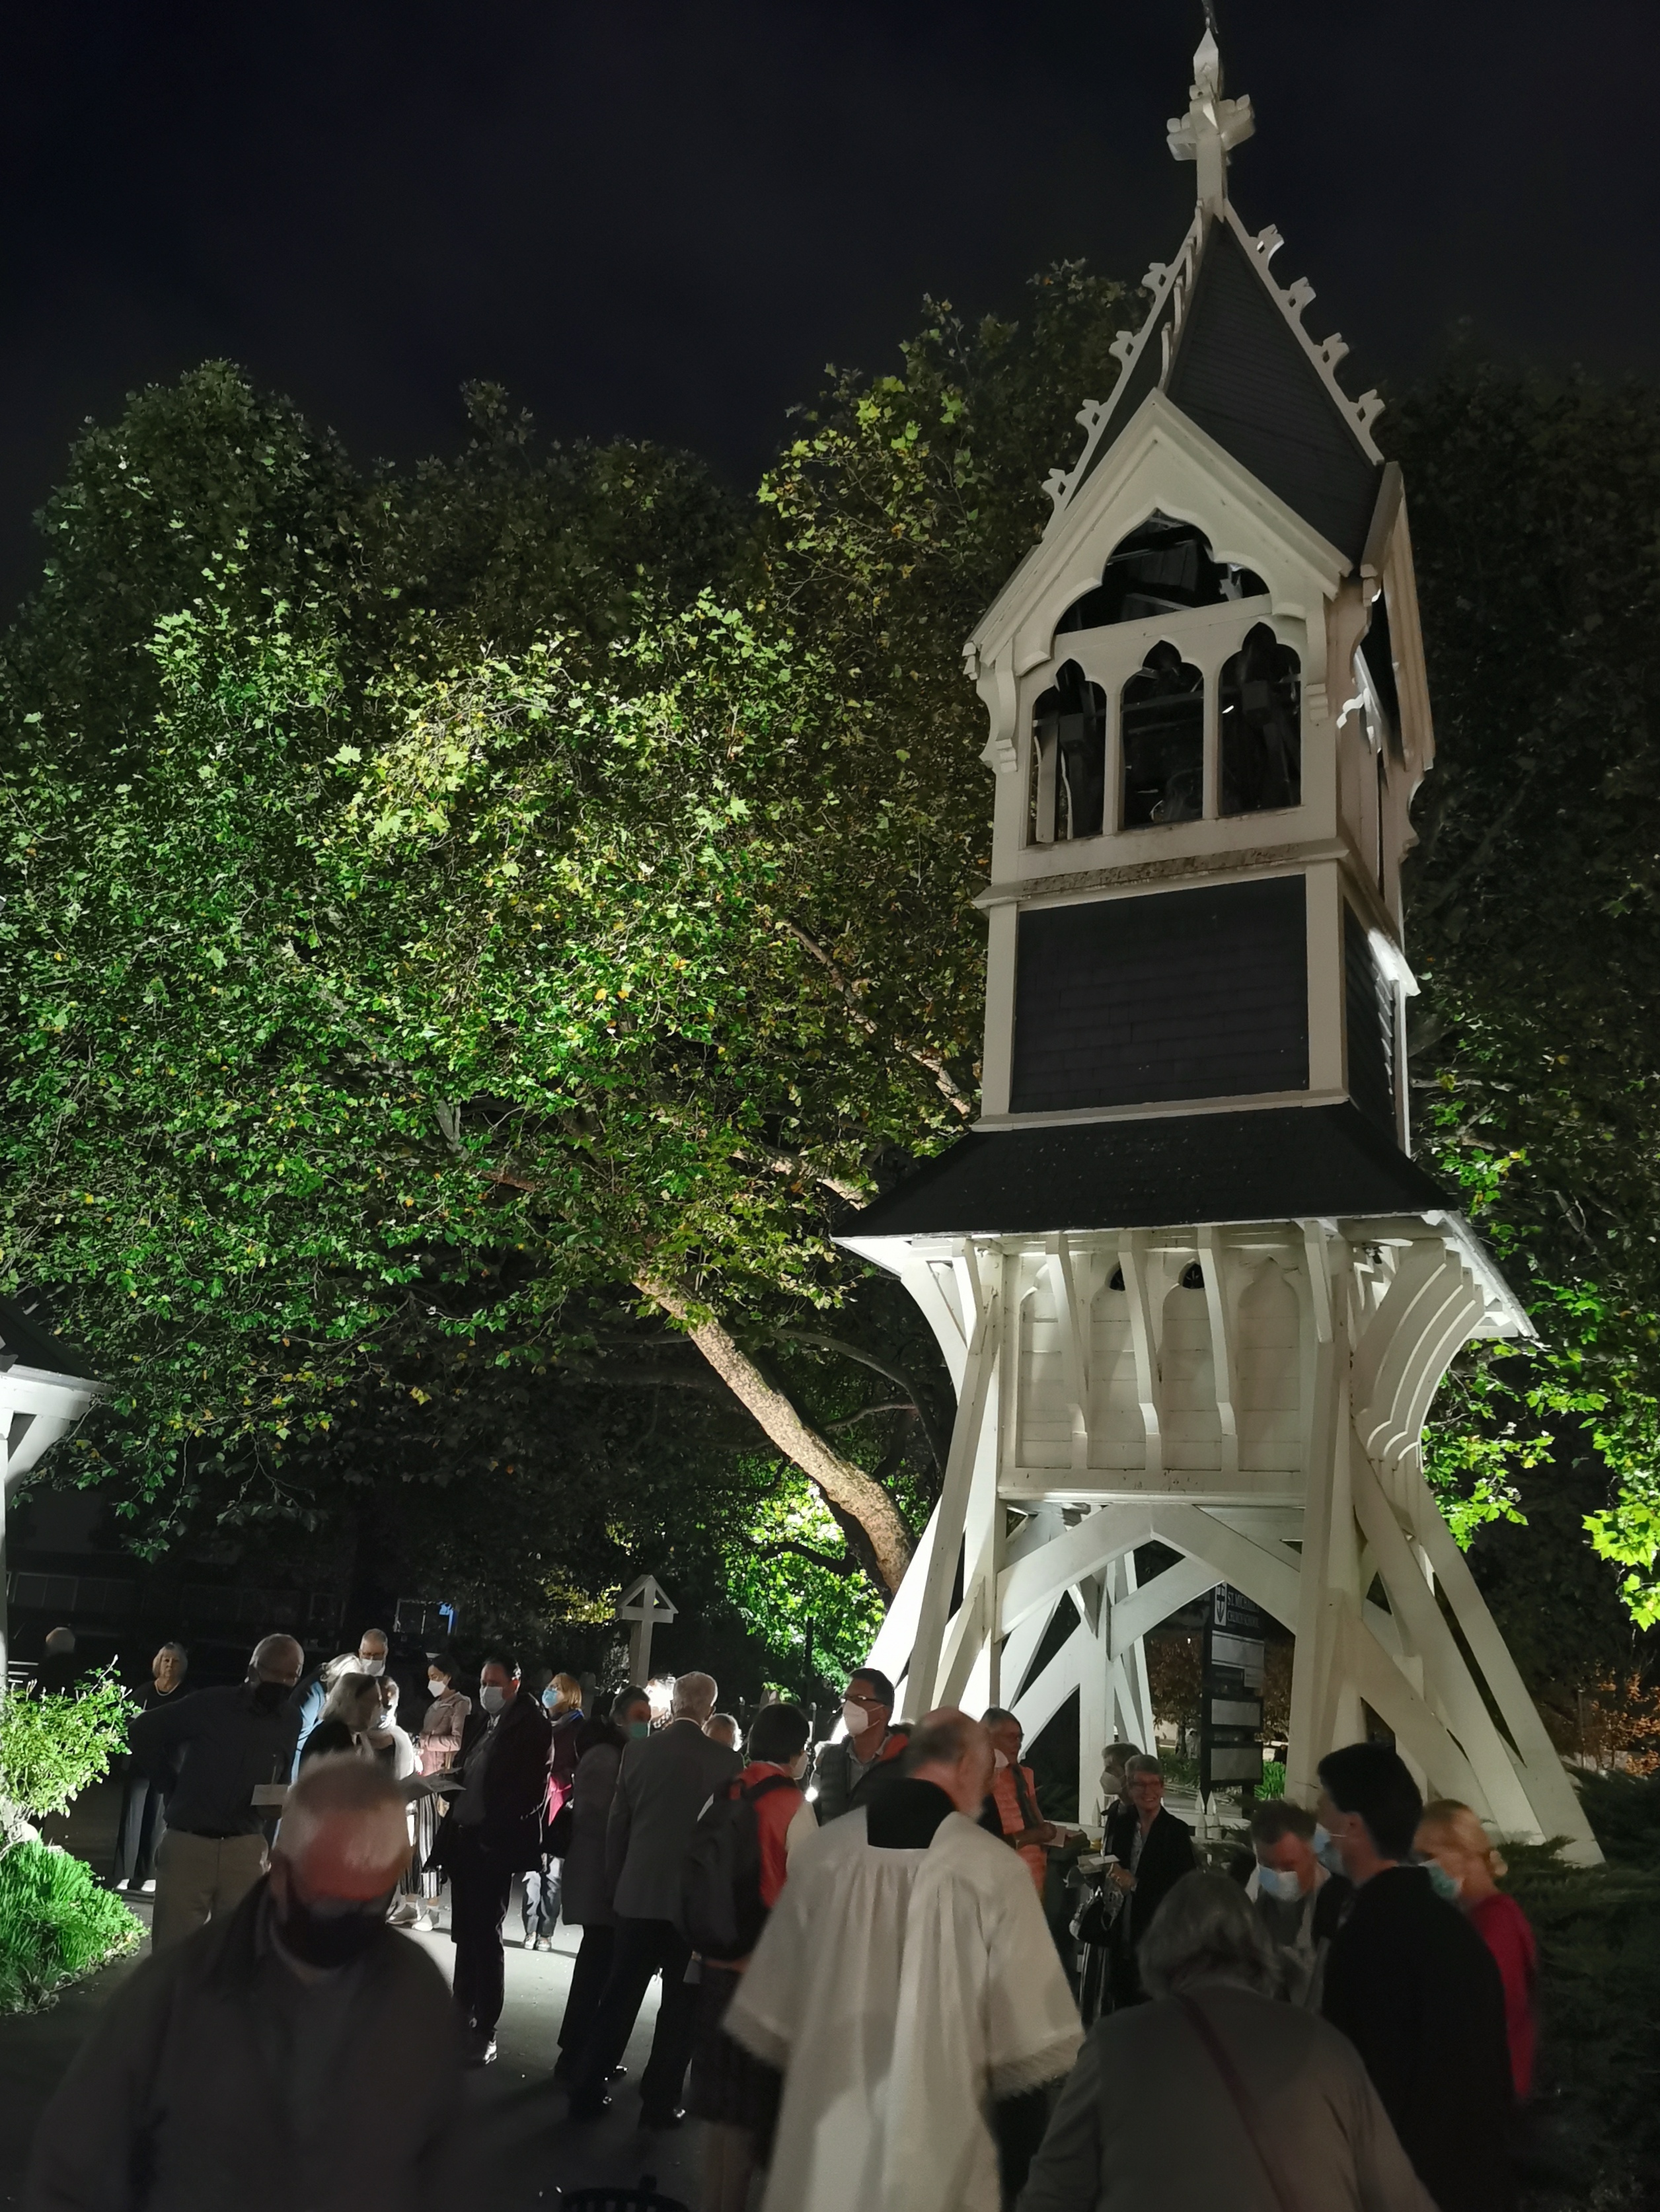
x=1325, y=1849
x=1272, y=1881
x=1447, y=1886
x=549, y=1697
x=637, y=1728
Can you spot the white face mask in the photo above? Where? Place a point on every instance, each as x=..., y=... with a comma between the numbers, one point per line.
x=492, y=1698
x=855, y=1718
x=437, y=1685
x=370, y=1666
x=1272, y=1881
x=997, y=1762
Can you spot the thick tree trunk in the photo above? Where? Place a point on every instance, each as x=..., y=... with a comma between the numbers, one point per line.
x=846, y=1485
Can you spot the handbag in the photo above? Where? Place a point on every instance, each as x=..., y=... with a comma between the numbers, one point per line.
x=1284, y=2195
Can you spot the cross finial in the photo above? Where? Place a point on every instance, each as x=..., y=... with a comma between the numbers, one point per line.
x=1213, y=127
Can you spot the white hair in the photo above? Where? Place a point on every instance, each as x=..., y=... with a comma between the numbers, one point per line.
x=357, y=1796
x=694, y=1697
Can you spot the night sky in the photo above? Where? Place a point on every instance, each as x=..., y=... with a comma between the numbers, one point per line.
x=664, y=220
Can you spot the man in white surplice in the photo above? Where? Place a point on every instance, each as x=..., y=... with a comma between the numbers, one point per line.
x=906, y=1983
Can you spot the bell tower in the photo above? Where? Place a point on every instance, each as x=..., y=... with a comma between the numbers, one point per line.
x=1193, y=1290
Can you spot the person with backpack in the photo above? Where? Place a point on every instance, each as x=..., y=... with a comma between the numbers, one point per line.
x=729, y=1883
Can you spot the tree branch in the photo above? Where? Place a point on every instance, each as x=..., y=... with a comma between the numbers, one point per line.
x=937, y=1444
x=931, y=1061
x=844, y=1483
x=787, y=1544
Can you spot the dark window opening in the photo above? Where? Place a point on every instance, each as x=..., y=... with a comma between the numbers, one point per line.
x=1193, y=1276
x=1378, y=654
x=1069, y=760
x=1261, y=699
x=1116, y=1280
x=1159, y=569
x=1163, y=732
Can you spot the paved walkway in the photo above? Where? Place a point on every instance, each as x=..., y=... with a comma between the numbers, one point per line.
x=528, y=2149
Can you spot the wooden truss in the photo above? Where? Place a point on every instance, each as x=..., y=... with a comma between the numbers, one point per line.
x=1252, y=1399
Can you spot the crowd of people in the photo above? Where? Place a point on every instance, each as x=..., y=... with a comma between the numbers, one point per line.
x=867, y=1997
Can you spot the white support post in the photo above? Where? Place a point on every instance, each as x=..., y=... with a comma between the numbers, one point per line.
x=951, y=1514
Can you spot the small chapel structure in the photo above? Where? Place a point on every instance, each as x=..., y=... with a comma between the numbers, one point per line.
x=1192, y=1289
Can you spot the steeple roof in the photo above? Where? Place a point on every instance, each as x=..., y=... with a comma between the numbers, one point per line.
x=1226, y=346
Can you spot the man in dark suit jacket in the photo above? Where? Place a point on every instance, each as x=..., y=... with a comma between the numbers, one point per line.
x=494, y=1832
x=1154, y=1849
x=662, y=1787
x=1416, y=1989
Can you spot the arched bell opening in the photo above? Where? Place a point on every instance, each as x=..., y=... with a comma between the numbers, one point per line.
x=1163, y=723
x=1261, y=699
x=1068, y=761
x=1161, y=569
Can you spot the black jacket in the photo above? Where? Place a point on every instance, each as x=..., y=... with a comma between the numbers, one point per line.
x=1166, y=1855
x=184, y=2096
x=515, y=1750
x=1416, y=1989
x=225, y=1741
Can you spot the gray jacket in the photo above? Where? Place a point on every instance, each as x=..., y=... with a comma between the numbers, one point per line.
x=664, y=1782
x=843, y=1784
x=1144, y=2082
x=584, y=1894
x=216, y=2078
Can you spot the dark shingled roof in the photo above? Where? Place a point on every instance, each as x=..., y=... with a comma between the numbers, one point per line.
x=1241, y=375
x=25, y=1341
x=1276, y=1163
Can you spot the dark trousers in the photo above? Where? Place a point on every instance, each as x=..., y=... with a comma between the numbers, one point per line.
x=588, y=1978
x=143, y=1807
x=542, y=1898
x=478, y=1904
x=642, y=1948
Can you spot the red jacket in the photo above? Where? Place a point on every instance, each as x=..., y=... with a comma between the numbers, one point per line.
x=1503, y=1926
x=773, y=1815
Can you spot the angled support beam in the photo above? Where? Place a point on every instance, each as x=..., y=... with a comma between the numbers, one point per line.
x=951, y=1514
x=1133, y=1616
x=1272, y=1582
x=1084, y=1550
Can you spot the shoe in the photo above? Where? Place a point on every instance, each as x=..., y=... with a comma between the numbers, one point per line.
x=149, y=1887
x=587, y=2108
x=675, y=2117
x=480, y=2050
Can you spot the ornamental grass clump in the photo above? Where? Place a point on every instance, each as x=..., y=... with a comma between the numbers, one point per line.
x=55, y=1925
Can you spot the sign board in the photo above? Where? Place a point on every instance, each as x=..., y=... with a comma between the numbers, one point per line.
x=1231, y=1708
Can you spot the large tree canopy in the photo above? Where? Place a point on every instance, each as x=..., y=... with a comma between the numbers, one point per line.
x=467, y=939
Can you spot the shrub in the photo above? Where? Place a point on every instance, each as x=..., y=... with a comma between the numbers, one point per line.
x=55, y=1925
x=52, y=1747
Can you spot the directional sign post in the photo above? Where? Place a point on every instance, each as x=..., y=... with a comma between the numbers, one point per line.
x=1231, y=1722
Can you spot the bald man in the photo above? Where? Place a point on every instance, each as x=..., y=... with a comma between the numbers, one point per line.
x=296, y=2052
x=226, y=1743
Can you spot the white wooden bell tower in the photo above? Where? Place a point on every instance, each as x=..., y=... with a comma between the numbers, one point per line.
x=1191, y=1288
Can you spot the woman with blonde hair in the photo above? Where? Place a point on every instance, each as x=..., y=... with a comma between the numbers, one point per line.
x=1465, y=1866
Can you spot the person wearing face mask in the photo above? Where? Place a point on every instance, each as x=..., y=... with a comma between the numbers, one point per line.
x=226, y=1743
x=561, y=1701
x=663, y=1784
x=312, y=1695
x=733, y=2093
x=906, y=1985
x=438, y=1742
x=1300, y=1904
x=848, y=1773
x=585, y=1893
x=1416, y=1989
x=235, y=2067
x=1011, y=1808
x=493, y=1833
x=1464, y=1868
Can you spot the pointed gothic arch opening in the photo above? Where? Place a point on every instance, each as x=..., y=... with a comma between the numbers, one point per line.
x=1261, y=699
x=1162, y=717
x=1068, y=793
x=1161, y=568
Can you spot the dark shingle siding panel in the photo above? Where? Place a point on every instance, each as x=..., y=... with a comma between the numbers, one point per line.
x=1266, y=1163
x=1241, y=374
x=1177, y=994
x=1369, y=1011
x=1144, y=374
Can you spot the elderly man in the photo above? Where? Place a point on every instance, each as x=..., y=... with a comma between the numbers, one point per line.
x=312, y=1694
x=227, y=1743
x=1153, y=1851
x=907, y=1986
x=662, y=1786
x=494, y=1832
x=145, y=1794
x=296, y=2052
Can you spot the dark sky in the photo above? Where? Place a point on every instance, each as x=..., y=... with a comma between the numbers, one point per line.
x=664, y=219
